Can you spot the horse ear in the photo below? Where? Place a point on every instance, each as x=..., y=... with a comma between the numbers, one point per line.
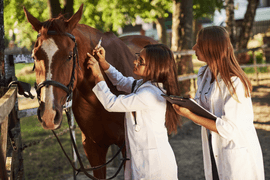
x=36, y=24
x=73, y=21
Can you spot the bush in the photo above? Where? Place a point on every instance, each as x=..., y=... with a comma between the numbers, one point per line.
x=259, y=57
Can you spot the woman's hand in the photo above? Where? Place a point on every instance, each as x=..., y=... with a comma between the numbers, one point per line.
x=207, y=123
x=100, y=52
x=182, y=111
x=93, y=64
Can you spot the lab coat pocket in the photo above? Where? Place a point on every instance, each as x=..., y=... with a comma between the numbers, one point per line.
x=145, y=139
x=236, y=164
x=148, y=164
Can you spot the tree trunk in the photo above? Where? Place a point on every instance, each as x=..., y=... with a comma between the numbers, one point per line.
x=176, y=27
x=247, y=24
x=182, y=35
x=230, y=21
x=68, y=8
x=2, y=43
x=54, y=7
x=161, y=30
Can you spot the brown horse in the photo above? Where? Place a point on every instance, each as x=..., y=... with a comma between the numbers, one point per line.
x=60, y=54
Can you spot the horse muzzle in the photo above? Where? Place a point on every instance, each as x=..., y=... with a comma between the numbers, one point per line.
x=50, y=118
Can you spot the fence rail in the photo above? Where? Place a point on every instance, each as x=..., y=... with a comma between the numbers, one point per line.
x=11, y=165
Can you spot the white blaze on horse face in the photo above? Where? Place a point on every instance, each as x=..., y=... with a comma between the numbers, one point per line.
x=50, y=48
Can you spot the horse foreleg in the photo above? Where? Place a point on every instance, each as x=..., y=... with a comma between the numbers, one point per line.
x=96, y=156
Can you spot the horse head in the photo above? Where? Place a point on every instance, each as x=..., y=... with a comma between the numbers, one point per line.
x=55, y=55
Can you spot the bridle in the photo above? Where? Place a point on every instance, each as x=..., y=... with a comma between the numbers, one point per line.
x=69, y=88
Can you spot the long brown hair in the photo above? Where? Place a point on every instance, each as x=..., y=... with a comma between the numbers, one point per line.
x=161, y=66
x=215, y=45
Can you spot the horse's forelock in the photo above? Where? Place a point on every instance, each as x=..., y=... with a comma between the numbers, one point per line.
x=54, y=24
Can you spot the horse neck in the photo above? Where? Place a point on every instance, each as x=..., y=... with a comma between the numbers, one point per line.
x=86, y=38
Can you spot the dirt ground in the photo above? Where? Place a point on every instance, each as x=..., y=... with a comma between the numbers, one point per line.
x=187, y=143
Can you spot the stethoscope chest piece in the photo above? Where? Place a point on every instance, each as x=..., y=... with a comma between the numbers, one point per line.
x=136, y=127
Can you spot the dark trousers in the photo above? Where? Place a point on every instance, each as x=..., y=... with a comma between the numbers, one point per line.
x=213, y=162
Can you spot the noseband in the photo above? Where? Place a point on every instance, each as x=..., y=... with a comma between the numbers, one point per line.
x=69, y=88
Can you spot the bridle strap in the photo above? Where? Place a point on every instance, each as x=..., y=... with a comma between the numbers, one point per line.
x=69, y=88
x=54, y=83
x=82, y=168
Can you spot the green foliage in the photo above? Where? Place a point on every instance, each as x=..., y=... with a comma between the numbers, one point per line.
x=14, y=18
x=259, y=60
x=150, y=10
x=259, y=57
x=105, y=15
x=205, y=8
x=251, y=70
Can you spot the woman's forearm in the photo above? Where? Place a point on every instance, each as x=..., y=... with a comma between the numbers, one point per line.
x=207, y=123
x=104, y=65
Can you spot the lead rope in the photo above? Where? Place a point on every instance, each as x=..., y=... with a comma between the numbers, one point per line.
x=82, y=168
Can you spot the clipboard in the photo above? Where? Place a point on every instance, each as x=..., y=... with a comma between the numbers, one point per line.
x=191, y=104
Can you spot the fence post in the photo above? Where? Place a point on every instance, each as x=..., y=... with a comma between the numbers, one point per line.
x=14, y=127
x=3, y=144
x=255, y=66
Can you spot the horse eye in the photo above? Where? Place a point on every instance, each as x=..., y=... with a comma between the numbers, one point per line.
x=70, y=56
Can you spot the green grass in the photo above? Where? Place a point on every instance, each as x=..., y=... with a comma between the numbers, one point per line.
x=251, y=70
x=29, y=77
x=20, y=66
x=46, y=159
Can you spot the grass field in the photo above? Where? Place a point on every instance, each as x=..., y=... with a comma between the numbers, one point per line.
x=46, y=160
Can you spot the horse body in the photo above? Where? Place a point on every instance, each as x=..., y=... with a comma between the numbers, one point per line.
x=53, y=55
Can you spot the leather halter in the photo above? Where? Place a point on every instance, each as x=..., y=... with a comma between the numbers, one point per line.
x=69, y=88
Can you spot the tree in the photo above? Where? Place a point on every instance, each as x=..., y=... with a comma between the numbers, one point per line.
x=15, y=21
x=182, y=31
x=105, y=15
x=55, y=8
x=230, y=22
x=204, y=9
x=157, y=11
x=2, y=43
x=246, y=27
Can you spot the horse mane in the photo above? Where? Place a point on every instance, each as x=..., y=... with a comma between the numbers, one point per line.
x=54, y=24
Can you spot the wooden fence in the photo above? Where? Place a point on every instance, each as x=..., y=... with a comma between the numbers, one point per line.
x=255, y=65
x=11, y=154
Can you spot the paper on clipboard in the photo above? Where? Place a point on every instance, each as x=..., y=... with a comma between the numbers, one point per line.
x=191, y=104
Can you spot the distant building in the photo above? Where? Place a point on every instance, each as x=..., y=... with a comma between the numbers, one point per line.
x=140, y=28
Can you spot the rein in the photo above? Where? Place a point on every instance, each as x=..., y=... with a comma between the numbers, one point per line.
x=82, y=168
x=69, y=89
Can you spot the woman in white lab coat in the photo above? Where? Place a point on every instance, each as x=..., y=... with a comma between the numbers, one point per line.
x=147, y=129
x=231, y=148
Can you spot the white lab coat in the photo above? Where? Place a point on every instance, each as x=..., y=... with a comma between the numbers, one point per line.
x=151, y=154
x=236, y=148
